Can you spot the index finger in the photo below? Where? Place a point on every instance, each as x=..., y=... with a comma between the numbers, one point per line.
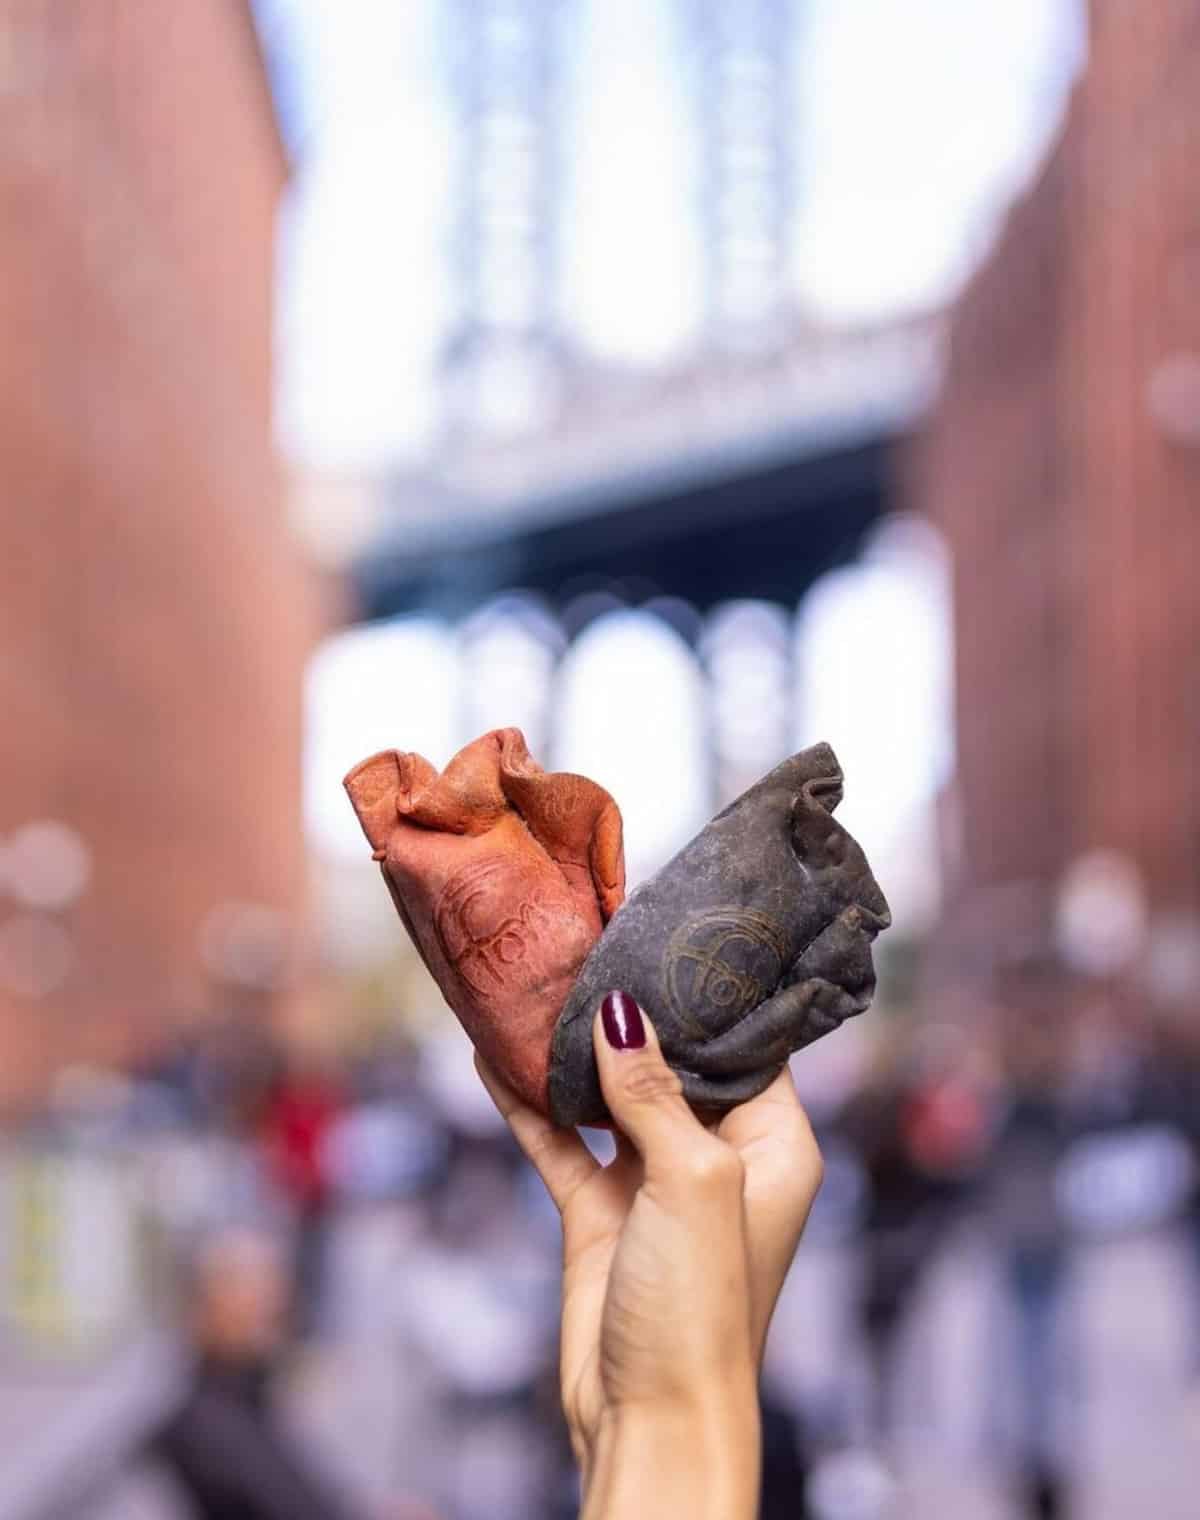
x=645, y=1098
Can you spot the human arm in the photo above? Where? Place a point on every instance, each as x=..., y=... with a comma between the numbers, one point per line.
x=674, y=1255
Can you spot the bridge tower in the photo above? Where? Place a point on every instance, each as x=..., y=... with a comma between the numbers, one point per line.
x=745, y=113
x=500, y=366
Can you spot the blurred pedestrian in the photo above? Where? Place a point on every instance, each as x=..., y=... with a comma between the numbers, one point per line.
x=225, y=1444
x=1177, y=1079
x=299, y=1117
x=918, y=1130
x=786, y=1462
x=1021, y=1212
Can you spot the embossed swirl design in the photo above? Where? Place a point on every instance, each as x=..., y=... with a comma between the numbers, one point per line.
x=482, y=931
x=720, y=965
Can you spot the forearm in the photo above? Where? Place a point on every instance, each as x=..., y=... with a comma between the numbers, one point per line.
x=699, y=1461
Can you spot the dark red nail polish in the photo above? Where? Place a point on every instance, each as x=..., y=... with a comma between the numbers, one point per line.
x=624, y=1028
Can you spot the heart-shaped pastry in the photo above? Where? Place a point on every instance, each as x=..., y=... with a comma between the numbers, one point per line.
x=754, y=941
x=504, y=875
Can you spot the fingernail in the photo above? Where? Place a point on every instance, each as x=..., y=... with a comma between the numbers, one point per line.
x=624, y=1028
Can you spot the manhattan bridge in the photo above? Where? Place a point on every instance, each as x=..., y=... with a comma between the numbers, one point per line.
x=744, y=467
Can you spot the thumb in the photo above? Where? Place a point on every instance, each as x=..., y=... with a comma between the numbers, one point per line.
x=644, y=1096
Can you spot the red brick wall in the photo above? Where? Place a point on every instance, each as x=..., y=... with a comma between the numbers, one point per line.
x=1134, y=303
x=153, y=614
x=994, y=453
x=1073, y=517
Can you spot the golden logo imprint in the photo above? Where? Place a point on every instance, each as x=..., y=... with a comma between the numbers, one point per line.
x=720, y=965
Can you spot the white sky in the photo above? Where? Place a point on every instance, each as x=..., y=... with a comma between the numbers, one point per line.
x=916, y=121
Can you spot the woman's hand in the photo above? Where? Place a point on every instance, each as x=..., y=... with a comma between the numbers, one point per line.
x=674, y=1255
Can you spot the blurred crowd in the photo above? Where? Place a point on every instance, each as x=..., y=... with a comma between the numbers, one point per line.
x=359, y=1236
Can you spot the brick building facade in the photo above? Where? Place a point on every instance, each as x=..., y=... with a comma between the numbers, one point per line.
x=1063, y=463
x=154, y=616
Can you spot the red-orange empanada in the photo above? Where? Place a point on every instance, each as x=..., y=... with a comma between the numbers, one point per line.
x=504, y=876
